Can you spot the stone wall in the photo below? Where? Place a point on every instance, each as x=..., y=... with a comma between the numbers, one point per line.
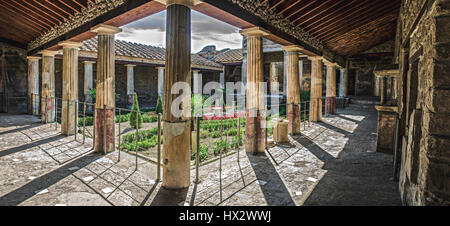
x=13, y=79
x=425, y=171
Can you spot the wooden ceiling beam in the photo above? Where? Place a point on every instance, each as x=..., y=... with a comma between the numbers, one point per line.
x=300, y=9
x=363, y=20
x=26, y=14
x=317, y=11
x=69, y=5
x=45, y=6
x=337, y=14
x=29, y=23
x=287, y=5
x=42, y=10
x=353, y=12
x=42, y=16
x=276, y=4
x=330, y=11
x=11, y=21
x=57, y=6
x=84, y=6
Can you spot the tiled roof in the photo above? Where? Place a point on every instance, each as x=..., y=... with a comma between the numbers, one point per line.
x=131, y=49
x=230, y=56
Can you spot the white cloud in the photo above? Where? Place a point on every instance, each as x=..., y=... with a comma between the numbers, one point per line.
x=205, y=31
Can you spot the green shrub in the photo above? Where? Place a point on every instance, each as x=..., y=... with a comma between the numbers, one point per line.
x=133, y=120
x=159, y=105
x=89, y=121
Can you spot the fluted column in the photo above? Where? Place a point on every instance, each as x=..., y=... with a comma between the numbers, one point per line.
x=88, y=82
x=254, y=131
x=197, y=81
x=105, y=98
x=222, y=79
x=342, y=83
x=177, y=126
x=69, y=87
x=161, y=82
x=315, y=114
x=376, y=88
x=33, y=85
x=48, y=86
x=293, y=89
x=330, y=101
x=274, y=77
x=130, y=84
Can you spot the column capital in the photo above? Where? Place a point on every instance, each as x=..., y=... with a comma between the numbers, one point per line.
x=255, y=31
x=160, y=68
x=330, y=64
x=70, y=44
x=312, y=58
x=103, y=29
x=48, y=53
x=188, y=3
x=88, y=62
x=33, y=58
x=196, y=71
x=130, y=65
x=292, y=48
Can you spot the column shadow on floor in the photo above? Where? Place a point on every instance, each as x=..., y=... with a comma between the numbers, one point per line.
x=27, y=191
x=31, y=145
x=275, y=191
x=166, y=197
x=34, y=125
x=356, y=177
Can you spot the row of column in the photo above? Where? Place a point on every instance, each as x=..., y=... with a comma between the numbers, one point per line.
x=177, y=128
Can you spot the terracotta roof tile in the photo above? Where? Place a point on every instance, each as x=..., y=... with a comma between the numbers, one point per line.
x=124, y=48
x=230, y=56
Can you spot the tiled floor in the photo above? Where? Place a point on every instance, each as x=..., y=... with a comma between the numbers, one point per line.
x=332, y=163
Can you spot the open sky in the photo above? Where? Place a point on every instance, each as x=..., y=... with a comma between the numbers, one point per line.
x=205, y=31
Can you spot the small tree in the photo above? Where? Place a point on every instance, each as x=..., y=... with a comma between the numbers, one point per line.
x=159, y=105
x=133, y=114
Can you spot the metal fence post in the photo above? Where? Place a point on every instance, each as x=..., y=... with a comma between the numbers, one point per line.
x=197, y=157
x=120, y=121
x=84, y=122
x=159, y=149
x=137, y=136
x=76, y=119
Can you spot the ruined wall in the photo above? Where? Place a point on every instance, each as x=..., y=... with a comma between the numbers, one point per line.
x=364, y=76
x=425, y=172
x=13, y=76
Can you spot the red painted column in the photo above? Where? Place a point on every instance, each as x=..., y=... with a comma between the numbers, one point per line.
x=330, y=101
x=105, y=100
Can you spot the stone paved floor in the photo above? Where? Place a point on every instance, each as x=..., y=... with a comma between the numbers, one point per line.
x=332, y=163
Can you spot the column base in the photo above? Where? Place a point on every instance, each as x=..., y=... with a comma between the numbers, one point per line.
x=330, y=106
x=176, y=155
x=68, y=117
x=48, y=110
x=315, y=110
x=102, y=144
x=254, y=132
x=293, y=115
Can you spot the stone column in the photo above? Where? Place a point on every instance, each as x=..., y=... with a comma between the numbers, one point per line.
x=69, y=106
x=376, y=88
x=197, y=81
x=293, y=89
x=274, y=76
x=300, y=74
x=395, y=88
x=254, y=131
x=33, y=85
x=48, y=86
x=222, y=79
x=315, y=110
x=161, y=82
x=345, y=82
x=177, y=128
x=383, y=90
x=330, y=102
x=130, y=84
x=88, y=81
x=342, y=83
x=244, y=75
x=105, y=100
